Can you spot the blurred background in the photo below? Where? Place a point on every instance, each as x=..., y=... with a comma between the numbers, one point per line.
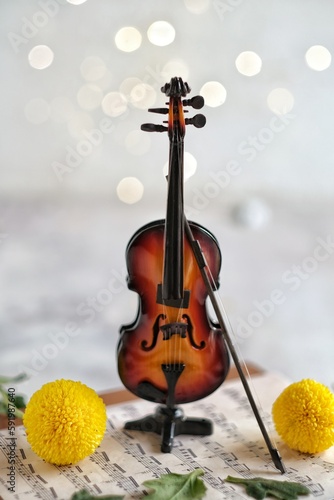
x=79, y=177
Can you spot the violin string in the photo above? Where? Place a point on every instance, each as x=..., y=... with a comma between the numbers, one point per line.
x=236, y=347
x=181, y=163
x=181, y=339
x=165, y=341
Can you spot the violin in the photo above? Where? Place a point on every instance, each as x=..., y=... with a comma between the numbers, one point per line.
x=173, y=352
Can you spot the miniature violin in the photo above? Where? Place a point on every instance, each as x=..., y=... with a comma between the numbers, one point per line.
x=172, y=353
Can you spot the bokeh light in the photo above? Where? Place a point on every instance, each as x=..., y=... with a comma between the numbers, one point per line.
x=214, y=94
x=128, y=39
x=114, y=104
x=40, y=57
x=197, y=6
x=175, y=67
x=318, y=58
x=280, y=101
x=143, y=95
x=76, y=2
x=128, y=84
x=253, y=213
x=248, y=63
x=161, y=33
x=130, y=190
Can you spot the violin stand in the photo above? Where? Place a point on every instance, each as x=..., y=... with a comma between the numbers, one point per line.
x=170, y=422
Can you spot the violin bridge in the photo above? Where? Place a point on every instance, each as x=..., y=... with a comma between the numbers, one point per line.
x=183, y=329
x=174, y=329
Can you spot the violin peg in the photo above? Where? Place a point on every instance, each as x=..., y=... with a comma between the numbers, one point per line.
x=162, y=111
x=152, y=127
x=198, y=121
x=165, y=89
x=196, y=102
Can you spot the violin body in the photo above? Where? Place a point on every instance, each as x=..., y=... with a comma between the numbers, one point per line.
x=171, y=349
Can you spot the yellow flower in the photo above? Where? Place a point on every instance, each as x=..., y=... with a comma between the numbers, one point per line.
x=65, y=421
x=304, y=416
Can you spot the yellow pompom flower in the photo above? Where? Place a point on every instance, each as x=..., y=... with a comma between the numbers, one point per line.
x=303, y=415
x=65, y=421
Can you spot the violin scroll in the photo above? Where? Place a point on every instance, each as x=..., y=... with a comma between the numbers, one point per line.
x=175, y=90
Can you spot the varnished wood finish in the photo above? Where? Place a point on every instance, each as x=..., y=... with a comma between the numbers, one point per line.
x=202, y=352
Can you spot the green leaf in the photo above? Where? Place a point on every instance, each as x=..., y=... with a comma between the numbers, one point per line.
x=177, y=486
x=260, y=488
x=4, y=404
x=20, y=401
x=85, y=495
x=256, y=490
x=12, y=380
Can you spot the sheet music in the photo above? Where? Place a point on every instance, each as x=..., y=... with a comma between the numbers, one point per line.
x=127, y=458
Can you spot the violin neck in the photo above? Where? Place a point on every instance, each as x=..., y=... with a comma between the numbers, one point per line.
x=172, y=290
